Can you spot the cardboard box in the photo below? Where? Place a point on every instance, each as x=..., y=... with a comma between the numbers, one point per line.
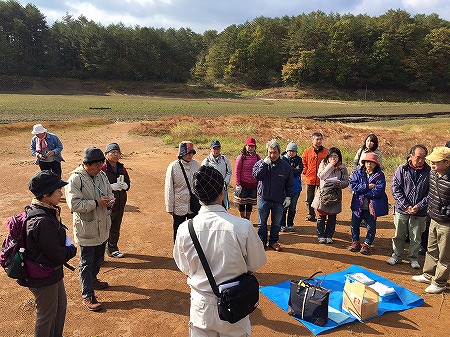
x=359, y=300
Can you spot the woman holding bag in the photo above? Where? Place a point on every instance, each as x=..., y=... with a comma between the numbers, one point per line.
x=178, y=185
x=47, y=245
x=333, y=178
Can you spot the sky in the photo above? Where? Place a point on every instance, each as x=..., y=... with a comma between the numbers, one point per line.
x=202, y=15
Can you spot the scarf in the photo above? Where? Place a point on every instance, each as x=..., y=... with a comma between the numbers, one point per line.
x=43, y=204
x=41, y=143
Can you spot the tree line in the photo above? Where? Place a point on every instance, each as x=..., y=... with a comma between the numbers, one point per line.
x=391, y=51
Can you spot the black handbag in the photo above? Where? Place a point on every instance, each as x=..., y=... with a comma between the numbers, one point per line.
x=238, y=297
x=309, y=301
x=194, y=203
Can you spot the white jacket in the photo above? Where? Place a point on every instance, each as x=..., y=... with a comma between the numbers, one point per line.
x=221, y=164
x=176, y=193
x=91, y=223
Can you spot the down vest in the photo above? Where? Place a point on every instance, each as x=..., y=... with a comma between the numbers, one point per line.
x=91, y=223
x=439, y=196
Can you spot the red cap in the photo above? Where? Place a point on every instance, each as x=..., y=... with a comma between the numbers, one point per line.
x=250, y=141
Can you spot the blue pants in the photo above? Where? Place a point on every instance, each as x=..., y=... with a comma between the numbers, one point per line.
x=371, y=225
x=264, y=208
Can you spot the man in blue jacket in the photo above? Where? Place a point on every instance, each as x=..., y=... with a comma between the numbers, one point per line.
x=46, y=147
x=410, y=186
x=275, y=185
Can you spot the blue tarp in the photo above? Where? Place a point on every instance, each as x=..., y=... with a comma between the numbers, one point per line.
x=279, y=294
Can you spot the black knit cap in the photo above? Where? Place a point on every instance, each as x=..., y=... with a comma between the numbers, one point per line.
x=93, y=154
x=45, y=182
x=208, y=183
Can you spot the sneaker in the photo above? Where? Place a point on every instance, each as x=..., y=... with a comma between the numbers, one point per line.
x=392, y=261
x=283, y=229
x=414, y=264
x=290, y=229
x=311, y=218
x=355, y=246
x=98, y=285
x=117, y=254
x=421, y=278
x=91, y=303
x=365, y=249
x=321, y=240
x=329, y=240
x=275, y=246
x=434, y=289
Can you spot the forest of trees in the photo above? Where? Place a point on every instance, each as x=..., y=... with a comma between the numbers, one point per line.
x=391, y=51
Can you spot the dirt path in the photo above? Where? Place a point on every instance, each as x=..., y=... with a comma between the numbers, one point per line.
x=148, y=296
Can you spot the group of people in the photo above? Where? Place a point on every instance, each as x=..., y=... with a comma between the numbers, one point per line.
x=96, y=194
x=420, y=191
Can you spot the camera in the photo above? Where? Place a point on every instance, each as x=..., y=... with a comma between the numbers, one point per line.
x=445, y=210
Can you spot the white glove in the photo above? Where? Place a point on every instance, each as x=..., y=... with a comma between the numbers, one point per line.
x=267, y=160
x=116, y=186
x=68, y=242
x=238, y=189
x=123, y=185
x=287, y=202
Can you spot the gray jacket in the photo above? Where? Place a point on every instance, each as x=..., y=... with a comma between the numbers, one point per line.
x=91, y=223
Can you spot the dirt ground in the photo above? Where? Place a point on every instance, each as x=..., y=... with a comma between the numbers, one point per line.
x=148, y=295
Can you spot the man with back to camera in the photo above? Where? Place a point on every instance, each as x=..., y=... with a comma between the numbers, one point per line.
x=311, y=159
x=231, y=247
x=90, y=198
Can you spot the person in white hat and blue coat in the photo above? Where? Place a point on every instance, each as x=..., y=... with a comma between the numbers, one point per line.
x=46, y=147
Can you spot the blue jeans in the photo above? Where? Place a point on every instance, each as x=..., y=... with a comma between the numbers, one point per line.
x=264, y=208
x=291, y=210
x=90, y=259
x=371, y=225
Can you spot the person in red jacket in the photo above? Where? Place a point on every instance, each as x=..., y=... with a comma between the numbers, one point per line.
x=311, y=159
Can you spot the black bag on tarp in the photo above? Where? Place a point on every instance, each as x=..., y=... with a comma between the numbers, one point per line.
x=309, y=301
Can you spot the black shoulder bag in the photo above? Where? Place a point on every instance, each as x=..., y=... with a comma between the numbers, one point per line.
x=309, y=301
x=238, y=297
x=194, y=204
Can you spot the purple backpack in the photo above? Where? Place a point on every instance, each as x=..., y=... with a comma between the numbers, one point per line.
x=16, y=226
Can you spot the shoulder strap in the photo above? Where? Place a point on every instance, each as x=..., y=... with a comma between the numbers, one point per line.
x=202, y=257
x=185, y=177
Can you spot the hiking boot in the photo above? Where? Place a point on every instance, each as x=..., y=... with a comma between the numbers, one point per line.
x=434, y=289
x=329, y=241
x=99, y=285
x=283, y=229
x=365, y=249
x=117, y=254
x=321, y=239
x=91, y=303
x=355, y=246
x=392, y=261
x=290, y=229
x=275, y=246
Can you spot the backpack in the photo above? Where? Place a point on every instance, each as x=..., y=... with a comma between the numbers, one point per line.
x=12, y=256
